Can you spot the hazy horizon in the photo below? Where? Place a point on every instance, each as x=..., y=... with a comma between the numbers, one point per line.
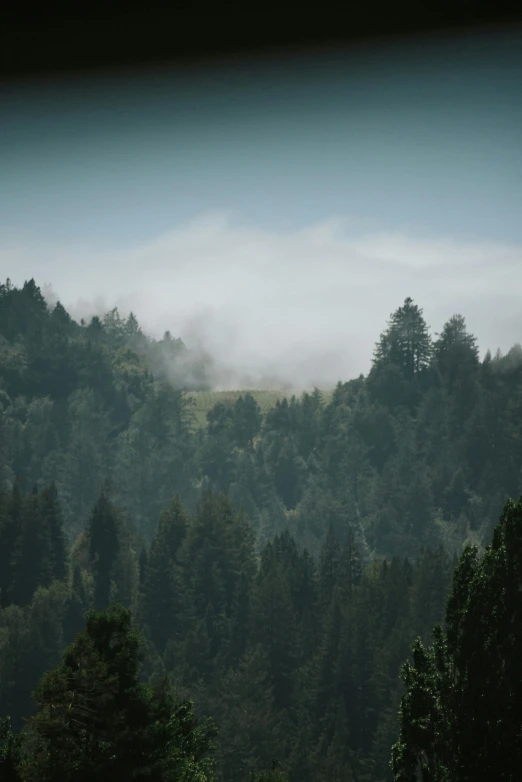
x=275, y=213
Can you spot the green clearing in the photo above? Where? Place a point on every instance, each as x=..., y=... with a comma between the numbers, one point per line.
x=205, y=400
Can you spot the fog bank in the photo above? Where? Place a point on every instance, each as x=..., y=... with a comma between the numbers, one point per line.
x=283, y=309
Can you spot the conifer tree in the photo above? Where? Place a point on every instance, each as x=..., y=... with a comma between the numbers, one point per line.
x=350, y=566
x=335, y=766
x=96, y=721
x=52, y=521
x=325, y=663
x=32, y=557
x=16, y=680
x=163, y=593
x=247, y=420
x=104, y=542
x=10, y=752
x=76, y=607
x=406, y=342
x=461, y=714
x=274, y=628
x=455, y=350
x=240, y=618
x=329, y=567
x=10, y=526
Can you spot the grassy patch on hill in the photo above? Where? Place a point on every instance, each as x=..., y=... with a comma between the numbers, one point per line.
x=204, y=400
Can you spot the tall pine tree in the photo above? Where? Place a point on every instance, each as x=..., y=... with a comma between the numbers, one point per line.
x=104, y=542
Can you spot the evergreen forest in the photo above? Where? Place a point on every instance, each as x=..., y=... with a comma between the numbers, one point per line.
x=328, y=590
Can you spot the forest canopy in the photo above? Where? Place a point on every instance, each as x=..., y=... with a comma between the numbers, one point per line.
x=277, y=563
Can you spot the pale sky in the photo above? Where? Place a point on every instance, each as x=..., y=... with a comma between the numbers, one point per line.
x=277, y=212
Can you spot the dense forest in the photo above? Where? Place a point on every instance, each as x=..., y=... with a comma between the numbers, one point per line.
x=276, y=567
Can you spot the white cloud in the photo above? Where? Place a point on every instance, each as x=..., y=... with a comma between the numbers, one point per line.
x=305, y=306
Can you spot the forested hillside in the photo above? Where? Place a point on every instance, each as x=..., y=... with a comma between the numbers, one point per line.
x=279, y=563
x=423, y=450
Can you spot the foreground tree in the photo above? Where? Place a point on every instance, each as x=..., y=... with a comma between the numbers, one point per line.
x=10, y=752
x=96, y=721
x=461, y=715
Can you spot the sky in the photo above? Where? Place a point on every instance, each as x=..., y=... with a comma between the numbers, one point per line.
x=276, y=211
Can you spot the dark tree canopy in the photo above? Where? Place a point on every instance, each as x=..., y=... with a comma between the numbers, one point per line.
x=461, y=716
x=104, y=540
x=406, y=342
x=96, y=721
x=278, y=551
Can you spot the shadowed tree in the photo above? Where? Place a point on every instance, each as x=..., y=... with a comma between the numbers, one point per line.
x=461, y=715
x=95, y=721
x=162, y=597
x=103, y=536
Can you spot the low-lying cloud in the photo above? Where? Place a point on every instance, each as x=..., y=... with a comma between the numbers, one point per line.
x=297, y=308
